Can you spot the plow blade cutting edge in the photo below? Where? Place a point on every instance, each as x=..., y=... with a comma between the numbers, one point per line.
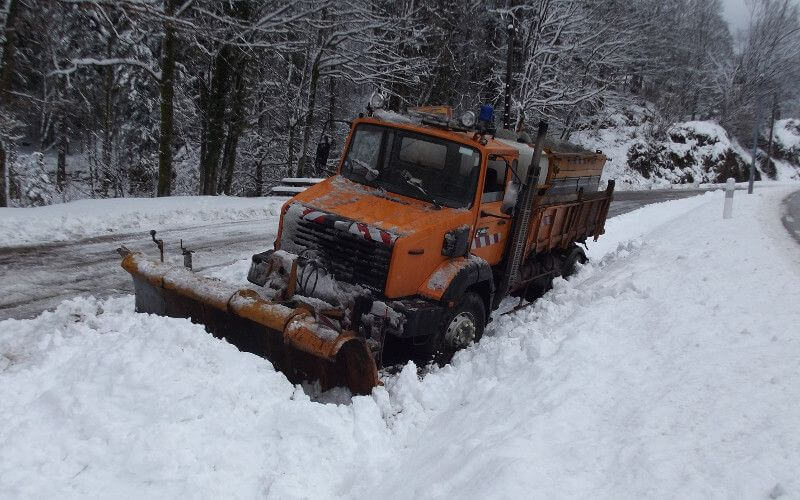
x=290, y=337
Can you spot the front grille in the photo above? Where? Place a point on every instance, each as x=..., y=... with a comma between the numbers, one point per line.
x=349, y=257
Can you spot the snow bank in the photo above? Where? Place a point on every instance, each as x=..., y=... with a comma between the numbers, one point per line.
x=643, y=376
x=90, y=218
x=100, y=402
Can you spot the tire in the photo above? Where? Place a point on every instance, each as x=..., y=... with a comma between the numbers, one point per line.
x=463, y=324
x=571, y=261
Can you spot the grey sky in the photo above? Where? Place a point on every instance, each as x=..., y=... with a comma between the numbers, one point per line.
x=737, y=13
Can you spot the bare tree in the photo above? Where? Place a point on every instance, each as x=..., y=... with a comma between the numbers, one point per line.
x=359, y=42
x=8, y=14
x=767, y=63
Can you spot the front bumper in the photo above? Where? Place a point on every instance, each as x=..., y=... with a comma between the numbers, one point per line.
x=362, y=309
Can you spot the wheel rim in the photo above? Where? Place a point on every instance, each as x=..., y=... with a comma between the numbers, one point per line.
x=461, y=331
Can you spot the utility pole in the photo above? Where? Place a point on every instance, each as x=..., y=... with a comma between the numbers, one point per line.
x=772, y=118
x=756, y=127
x=510, y=30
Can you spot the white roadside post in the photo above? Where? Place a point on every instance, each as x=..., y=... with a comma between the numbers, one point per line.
x=730, y=185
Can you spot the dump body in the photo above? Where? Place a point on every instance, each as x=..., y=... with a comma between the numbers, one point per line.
x=559, y=225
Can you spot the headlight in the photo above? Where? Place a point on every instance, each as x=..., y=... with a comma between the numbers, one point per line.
x=468, y=119
x=377, y=100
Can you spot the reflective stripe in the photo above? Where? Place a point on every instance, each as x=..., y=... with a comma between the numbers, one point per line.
x=364, y=230
x=313, y=215
x=485, y=240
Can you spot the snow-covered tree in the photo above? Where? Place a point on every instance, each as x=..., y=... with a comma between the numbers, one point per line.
x=38, y=188
x=152, y=97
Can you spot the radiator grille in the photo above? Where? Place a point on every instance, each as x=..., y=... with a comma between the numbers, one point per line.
x=349, y=257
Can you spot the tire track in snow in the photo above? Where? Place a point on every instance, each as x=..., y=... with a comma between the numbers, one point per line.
x=39, y=277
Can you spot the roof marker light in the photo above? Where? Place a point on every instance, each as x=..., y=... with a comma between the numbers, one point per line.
x=468, y=119
x=377, y=100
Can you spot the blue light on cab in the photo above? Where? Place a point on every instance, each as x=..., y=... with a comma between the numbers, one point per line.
x=486, y=114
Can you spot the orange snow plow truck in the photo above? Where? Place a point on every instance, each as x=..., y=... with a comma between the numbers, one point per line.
x=404, y=253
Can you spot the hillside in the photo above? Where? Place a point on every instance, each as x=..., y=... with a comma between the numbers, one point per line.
x=645, y=153
x=786, y=148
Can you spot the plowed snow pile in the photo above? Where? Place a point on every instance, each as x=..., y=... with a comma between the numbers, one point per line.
x=90, y=218
x=667, y=368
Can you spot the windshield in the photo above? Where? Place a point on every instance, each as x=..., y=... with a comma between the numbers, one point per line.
x=420, y=166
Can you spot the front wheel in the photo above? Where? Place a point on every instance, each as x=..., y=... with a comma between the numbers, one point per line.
x=462, y=325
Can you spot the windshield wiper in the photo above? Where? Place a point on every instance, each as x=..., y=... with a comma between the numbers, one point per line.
x=370, y=174
x=412, y=181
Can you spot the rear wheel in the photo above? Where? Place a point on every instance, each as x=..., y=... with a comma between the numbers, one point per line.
x=574, y=257
x=462, y=325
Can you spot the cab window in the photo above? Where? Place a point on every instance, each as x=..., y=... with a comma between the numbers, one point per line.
x=494, y=185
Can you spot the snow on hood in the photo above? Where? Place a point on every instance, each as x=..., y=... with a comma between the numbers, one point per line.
x=395, y=213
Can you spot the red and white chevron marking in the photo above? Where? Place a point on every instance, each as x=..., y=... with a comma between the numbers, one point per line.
x=372, y=233
x=364, y=230
x=485, y=240
x=314, y=215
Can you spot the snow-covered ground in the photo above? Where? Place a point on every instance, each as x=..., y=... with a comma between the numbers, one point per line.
x=669, y=367
x=99, y=217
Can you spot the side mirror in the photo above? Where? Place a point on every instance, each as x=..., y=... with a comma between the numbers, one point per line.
x=456, y=242
x=323, y=151
x=510, y=198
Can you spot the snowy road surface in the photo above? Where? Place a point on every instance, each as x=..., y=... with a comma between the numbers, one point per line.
x=668, y=367
x=39, y=277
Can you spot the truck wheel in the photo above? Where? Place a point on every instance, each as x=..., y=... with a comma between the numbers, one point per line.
x=575, y=256
x=462, y=325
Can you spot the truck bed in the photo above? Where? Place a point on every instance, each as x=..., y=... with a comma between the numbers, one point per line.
x=557, y=225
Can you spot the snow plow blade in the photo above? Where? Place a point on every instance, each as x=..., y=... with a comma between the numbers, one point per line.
x=290, y=337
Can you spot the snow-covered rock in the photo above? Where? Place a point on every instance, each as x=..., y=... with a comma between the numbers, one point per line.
x=787, y=137
x=694, y=151
x=786, y=148
x=645, y=153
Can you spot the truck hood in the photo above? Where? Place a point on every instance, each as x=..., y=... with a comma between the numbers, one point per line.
x=397, y=214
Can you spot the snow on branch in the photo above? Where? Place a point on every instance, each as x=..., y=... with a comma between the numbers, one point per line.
x=113, y=61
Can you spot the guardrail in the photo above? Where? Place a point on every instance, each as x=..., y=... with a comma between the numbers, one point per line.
x=290, y=186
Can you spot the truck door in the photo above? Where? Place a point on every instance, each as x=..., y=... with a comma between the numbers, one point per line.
x=492, y=229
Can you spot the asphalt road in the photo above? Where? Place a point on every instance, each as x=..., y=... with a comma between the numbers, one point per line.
x=37, y=278
x=791, y=216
